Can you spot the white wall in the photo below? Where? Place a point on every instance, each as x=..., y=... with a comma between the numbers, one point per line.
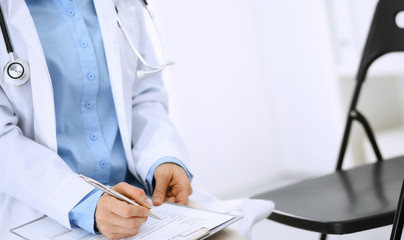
x=295, y=37
x=260, y=90
x=253, y=91
x=219, y=94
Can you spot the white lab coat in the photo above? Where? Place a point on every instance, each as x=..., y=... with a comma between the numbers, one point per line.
x=34, y=180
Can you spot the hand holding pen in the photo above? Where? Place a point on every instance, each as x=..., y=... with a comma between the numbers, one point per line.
x=114, y=217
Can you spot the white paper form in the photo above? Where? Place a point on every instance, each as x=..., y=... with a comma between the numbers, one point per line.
x=177, y=223
x=47, y=228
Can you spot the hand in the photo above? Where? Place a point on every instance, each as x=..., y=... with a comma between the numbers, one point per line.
x=172, y=184
x=118, y=219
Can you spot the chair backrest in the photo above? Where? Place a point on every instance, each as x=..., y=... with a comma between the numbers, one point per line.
x=385, y=36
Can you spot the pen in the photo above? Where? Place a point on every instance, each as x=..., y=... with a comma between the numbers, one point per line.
x=113, y=193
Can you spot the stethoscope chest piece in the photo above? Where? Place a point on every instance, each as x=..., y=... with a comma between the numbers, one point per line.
x=16, y=72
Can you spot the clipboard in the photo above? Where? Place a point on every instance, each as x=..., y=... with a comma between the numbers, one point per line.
x=203, y=232
x=220, y=227
x=50, y=229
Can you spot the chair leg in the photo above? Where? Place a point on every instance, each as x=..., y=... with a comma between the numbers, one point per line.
x=323, y=236
x=348, y=126
x=398, y=218
x=355, y=114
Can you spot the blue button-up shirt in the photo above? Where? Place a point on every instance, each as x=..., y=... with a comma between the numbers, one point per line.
x=87, y=129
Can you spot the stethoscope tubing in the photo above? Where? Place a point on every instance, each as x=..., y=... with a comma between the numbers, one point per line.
x=6, y=35
x=153, y=69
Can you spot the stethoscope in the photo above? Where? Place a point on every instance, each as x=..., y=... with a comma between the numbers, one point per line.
x=17, y=71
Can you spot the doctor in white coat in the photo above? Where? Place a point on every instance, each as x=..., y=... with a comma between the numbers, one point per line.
x=34, y=179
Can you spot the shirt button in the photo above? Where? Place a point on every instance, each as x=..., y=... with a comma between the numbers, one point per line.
x=103, y=164
x=88, y=105
x=90, y=76
x=93, y=136
x=83, y=44
x=71, y=12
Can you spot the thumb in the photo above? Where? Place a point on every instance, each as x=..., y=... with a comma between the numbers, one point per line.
x=160, y=190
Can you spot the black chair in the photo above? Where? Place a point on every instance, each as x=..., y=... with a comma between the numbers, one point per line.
x=364, y=197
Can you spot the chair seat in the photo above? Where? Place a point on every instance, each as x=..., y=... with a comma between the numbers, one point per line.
x=369, y=199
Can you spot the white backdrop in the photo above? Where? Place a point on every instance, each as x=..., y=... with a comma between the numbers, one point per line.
x=218, y=93
x=260, y=91
x=252, y=92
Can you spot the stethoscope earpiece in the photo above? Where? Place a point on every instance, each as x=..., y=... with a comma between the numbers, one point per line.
x=16, y=72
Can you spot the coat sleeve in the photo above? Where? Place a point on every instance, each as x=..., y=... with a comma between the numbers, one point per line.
x=34, y=174
x=153, y=134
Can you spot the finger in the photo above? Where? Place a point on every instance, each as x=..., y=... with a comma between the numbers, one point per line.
x=170, y=199
x=125, y=209
x=116, y=232
x=113, y=225
x=190, y=190
x=182, y=197
x=181, y=192
x=162, y=181
x=109, y=204
x=119, y=222
x=169, y=194
x=134, y=193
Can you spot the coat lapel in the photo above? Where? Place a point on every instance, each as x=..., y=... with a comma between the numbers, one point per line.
x=44, y=121
x=109, y=30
